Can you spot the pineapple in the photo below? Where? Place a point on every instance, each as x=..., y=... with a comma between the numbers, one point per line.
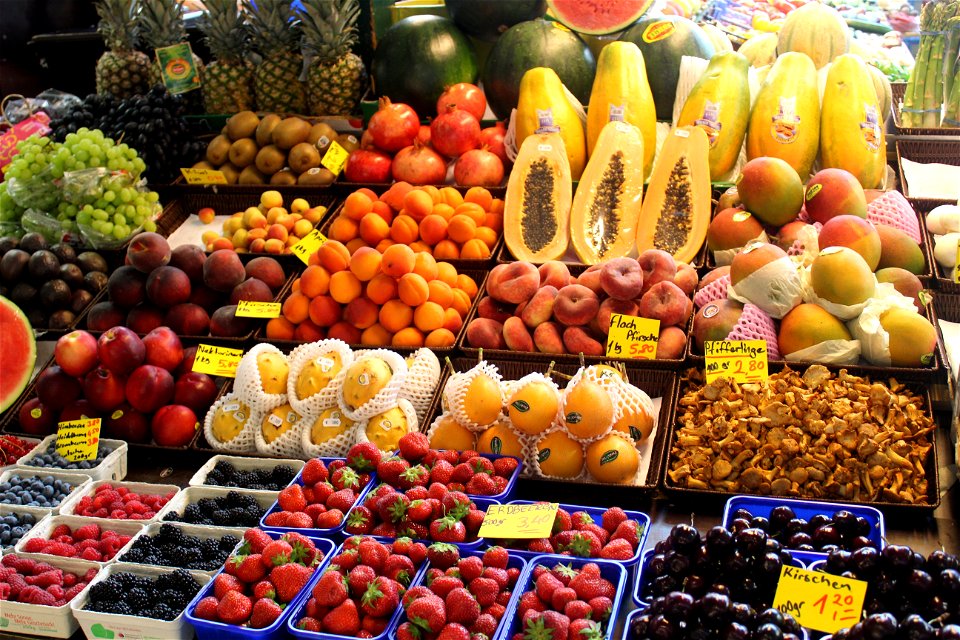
x=122, y=71
x=228, y=80
x=336, y=78
x=276, y=35
x=161, y=25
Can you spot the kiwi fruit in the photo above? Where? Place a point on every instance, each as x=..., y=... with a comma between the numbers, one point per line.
x=250, y=175
x=348, y=141
x=283, y=178
x=270, y=159
x=290, y=132
x=265, y=130
x=218, y=150
x=243, y=152
x=321, y=134
x=302, y=157
x=242, y=125
x=319, y=176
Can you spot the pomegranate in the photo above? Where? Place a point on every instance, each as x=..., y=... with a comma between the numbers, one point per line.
x=492, y=138
x=463, y=95
x=366, y=140
x=478, y=168
x=393, y=126
x=367, y=165
x=418, y=164
x=423, y=136
x=455, y=132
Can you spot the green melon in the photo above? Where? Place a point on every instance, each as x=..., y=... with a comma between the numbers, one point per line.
x=598, y=17
x=418, y=58
x=536, y=43
x=664, y=40
x=18, y=352
x=487, y=19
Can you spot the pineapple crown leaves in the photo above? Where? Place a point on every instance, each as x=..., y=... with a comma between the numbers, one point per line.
x=275, y=27
x=118, y=23
x=161, y=23
x=537, y=629
x=227, y=33
x=330, y=27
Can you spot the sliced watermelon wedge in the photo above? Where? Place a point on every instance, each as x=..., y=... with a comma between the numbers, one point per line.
x=598, y=17
x=18, y=352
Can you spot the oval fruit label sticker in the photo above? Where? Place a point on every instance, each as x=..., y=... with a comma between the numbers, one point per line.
x=658, y=31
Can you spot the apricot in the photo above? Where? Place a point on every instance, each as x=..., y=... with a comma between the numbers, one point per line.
x=221, y=243
x=308, y=332
x=494, y=221
x=433, y=192
x=257, y=245
x=440, y=293
x=344, y=331
x=398, y=260
x=428, y=316
x=487, y=236
x=404, y=230
x=395, y=194
x=365, y=263
x=373, y=229
x=425, y=266
x=433, y=229
x=461, y=302
x=474, y=249
x=440, y=338
x=480, y=196
x=343, y=229
x=450, y=196
x=413, y=289
x=443, y=210
x=395, y=315
x=324, y=311
x=344, y=286
x=314, y=281
x=421, y=247
x=280, y=329
x=383, y=210
x=361, y=313
x=381, y=288
x=452, y=320
x=473, y=211
x=375, y=336
x=409, y=337
x=446, y=272
x=384, y=244
x=357, y=205
x=446, y=250
x=418, y=204
x=333, y=256
x=461, y=228
x=355, y=244
x=468, y=285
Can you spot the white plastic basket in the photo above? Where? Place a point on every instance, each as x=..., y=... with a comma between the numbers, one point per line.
x=132, y=626
x=191, y=495
x=43, y=529
x=52, y=622
x=38, y=514
x=78, y=481
x=242, y=463
x=112, y=467
x=199, y=530
x=142, y=488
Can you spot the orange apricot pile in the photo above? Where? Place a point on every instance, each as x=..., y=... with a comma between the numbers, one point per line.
x=266, y=228
x=442, y=222
x=393, y=298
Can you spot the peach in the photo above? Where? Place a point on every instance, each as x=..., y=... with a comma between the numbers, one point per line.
x=611, y=306
x=222, y=270
x=513, y=282
x=490, y=308
x=912, y=338
x=344, y=331
x=266, y=269
x=789, y=233
x=771, y=190
x=841, y=275
x=251, y=289
x=715, y=321
x=897, y=249
x=665, y=302
x=144, y=318
x=104, y=315
x=577, y=340
x=548, y=338
x=732, y=229
x=671, y=343
x=834, y=192
x=621, y=278
x=148, y=251
x=189, y=258
x=590, y=279
x=856, y=233
x=554, y=273
x=187, y=319
x=752, y=257
x=575, y=305
x=484, y=333
x=657, y=266
x=686, y=278
x=903, y=281
x=540, y=307
x=516, y=335
x=168, y=286
x=361, y=313
x=807, y=325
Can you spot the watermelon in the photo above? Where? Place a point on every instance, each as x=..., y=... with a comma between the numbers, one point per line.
x=18, y=352
x=536, y=43
x=598, y=17
x=664, y=40
x=418, y=58
x=487, y=19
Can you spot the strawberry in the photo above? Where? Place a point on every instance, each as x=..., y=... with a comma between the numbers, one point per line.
x=462, y=473
x=485, y=624
x=481, y=484
x=629, y=530
x=470, y=567
x=540, y=545
x=265, y=613
x=342, y=500
x=364, y=456
x=485, y=590
x=322, y=492
x=561, y=597
x=345, y=478
x=580, y=519
x=428, y=613
x=313, y=472
x=496, y=610
x=546, y=585
x=462, y=607
x=331, y=589
x=309, y=624
x=455, y=501
x=454, y=631
x=503, y=598
x=418, y=552
x=584, y=544
x=546, y=625
x=298, y=520
x=339, y=463
x=473, y=520
x=497, y=575
x=601, y=606
x=329, y=519
x=602, y=534
x=413, y=593
x=419, y=511
x=562, y=521
x=408, y=631
x=225, y=582
x=618, y=549
x=343, y=620
x=437, y=490
x=444, y=584
x=292, y=498
x=467, y=454
x=346, y=560
x=588, y=587
x=373, y=553
x=481, y=465
x=304, y=551
x=359, y=520
x=401, y=546
x=206, y=609
x=577, y=609
x=450, y=455
x=278, y=519
x=414, y=446
x=359, y=579
x=442, y=555
x=418, y=492
x=385, y=530
x=399, y=568
x=448, y=530
x=612, y=518
x=234, y=608
x=276, y=553
x=415, y=476
x=393, y=507
x=289, y=579
x=373, y=625
x=381, y=598
x=582, y=629
x=513, y=574
x=441, y=472
x=389, y=469
x=504, y=467
x=249, y=568
x=264, y=589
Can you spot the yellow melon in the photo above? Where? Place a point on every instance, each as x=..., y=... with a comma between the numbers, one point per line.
x=501, y=440
x=560, y=455
x=278, y=422
x=317, y=374
x=364, y=379
x=587, y=410
x=328, y=425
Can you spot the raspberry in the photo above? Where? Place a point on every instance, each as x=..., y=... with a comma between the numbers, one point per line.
x=61, y=549
x=91, y=554
x=87, y=544
x=72, y=592
x=60, y=530
x=87, y=532
x=34, y=545
x=69, y=579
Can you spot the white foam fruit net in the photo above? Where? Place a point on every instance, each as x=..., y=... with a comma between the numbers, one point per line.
x=422, y=377
x=893, y=210
x=335, y=447
x=408, y=412
x=455, y=391
x=248, y=385
x=383, y=399
x=244, y=441
x=634, y=401
x=288, y=444
x=319, y=353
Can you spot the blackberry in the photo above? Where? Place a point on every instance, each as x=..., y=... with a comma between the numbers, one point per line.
x=227, y=543
x=209, y=548
x=121, y=608
x=180, y=581
x=194, y=513
x=105, y=591
x=140, y=600
x=170, y=534
x=163, y=611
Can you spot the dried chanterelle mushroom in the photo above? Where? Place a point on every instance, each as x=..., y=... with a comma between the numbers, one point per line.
x=816, y=435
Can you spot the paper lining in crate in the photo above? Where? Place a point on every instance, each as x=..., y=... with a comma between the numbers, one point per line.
x=112, y=467
x=192, y=495
x=78, y=482
x=242, y=463
x=51, y=622
x=141, y=488
x=199, y=530
x=124, y=527
x=38, y=514
x=97, y=625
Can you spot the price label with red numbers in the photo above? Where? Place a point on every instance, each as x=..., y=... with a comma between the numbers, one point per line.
x=632, y=337
x=78, y=440
x=519, y=520
x=217, y=361
x=740, y=360
x=820, y=601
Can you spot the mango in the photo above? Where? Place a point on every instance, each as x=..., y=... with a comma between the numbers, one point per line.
x=807, y=325
x=897, y=249
x=715, y=321
x=841, y=275
x=771, y=190
x=834, y=192
x=273, y=369
x=855, y=233
x=912, y=338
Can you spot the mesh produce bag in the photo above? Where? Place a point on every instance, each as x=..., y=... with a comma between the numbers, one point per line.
x=754, y=324
x=383, y=399
x=336, y=447
x=243, y=442
x=893, y=210
x=422, y=378
x=455, y=391
x=288, y=444
x=317, y=352
x=248, y=385
x=716, y=290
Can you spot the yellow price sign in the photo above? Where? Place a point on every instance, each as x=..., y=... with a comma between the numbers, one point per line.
x=217, y=361
x=739, y=360
x=308, y=245
x=819, y=601
x=519, y=520
x=335, y=157
x=203, y=176
x=78, y=440
x=257, y=309
x=632, y=337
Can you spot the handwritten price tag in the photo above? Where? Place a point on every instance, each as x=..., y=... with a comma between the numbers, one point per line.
x=518, y=520
x=257, y=309
x=335, y=157
x=203, y=176
x=308, y=245
x=78, y=440
x=632, y=337
x=820, y=601
x=740, y=360
x=217, y=361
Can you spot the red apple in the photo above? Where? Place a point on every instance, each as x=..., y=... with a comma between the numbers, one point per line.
x=76, y=353
x=126, y=423
x=37, y=419
x=121, y=350
x=174, y=426
x=149, y=388
x=195, y=390
x=163, y=348
x=78, y=410
x=104, y=389
x=56, y=389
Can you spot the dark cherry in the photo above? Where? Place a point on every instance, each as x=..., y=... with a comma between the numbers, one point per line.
x=939, y=560
x=864, y=561
x=829, y=548
x=920, y=581
x=861, y=541
x=661, y=628
x=678, y=564
x=837, y=561
x=718, y=540
x=768, y=631
x=817, y=520
x=735, y=631
x=695, y=585
x=950, y=632
x=743, y=613
x=662, y=546
x=897, y=556
x=639, y=625
x=780, y=516
x=880, y=626
x=773, y=545
x=684, y=537
x=914, y=627
x=750, y=541
x=665, y=584
x=826, y=535
x=739, y=524
x=714, y=608
x=798, y=539
x=657, y=564
x=949, y=583
x=700, y=633
x=771, y=564
x=795, y=526
x=742, y=513
x=678, y=605
x=760, y=522
x=863, y=527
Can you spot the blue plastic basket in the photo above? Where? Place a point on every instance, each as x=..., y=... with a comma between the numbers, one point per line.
x=333, y=531
x=597, y=514
x=210, y=630
x=760, y=506
x=625, y=634
x=612, y=571
x=294, y=616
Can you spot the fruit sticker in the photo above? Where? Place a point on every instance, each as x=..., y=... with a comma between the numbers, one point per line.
x=514, y=521
x=79, y=440
x=812, y=192
x=870, y=127
x=545, y=122
x=656, y=31
x=618, y=113
x=786, y=122
x=818, y=600
x=710, y=122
